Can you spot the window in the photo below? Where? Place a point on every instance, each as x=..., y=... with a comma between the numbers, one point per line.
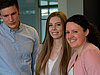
x=46, y=8
x=48, y=2
x=1, y=20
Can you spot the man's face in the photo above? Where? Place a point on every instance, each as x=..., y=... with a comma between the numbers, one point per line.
x=10, y=16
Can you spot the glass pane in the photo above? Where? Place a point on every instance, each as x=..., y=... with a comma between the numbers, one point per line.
x=43, y=25
x=44, y=13
x=43, y=2
x=1, y=21
x=53, y=10
x=53, y=2
x=28, y=12
x=48, y=2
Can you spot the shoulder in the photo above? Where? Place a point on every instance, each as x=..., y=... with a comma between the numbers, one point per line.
x=91, y=51
x=32, y=29
x=91, y=55
x=91, y=59
x=39, y=49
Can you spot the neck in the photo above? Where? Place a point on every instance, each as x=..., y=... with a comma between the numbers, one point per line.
x=57, y=42
x=57, y=45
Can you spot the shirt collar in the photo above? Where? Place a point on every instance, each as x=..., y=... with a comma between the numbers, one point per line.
x=10, y=30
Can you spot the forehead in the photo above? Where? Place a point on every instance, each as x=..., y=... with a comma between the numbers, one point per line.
x=55, y=19
x=8, y=10
x=72, y=25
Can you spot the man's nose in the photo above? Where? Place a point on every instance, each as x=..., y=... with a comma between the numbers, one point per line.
x=10, y=18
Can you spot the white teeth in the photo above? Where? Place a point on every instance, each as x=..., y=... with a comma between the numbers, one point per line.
x=54, y=33
x=72, y=40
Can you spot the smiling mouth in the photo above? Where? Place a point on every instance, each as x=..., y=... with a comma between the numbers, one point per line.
x=71, y=41
x=54, y=33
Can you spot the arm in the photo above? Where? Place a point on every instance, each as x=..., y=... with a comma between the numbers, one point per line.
x=36, y=45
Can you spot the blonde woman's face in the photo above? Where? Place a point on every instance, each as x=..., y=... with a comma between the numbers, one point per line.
x=55, y=27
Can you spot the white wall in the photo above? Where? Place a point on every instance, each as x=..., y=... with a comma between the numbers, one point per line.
x=71, y=7
x=62, y=6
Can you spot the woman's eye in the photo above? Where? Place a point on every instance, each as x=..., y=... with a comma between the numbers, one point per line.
x=58, y=24
x=50, y=25
x=67, y=32
x=75, y=31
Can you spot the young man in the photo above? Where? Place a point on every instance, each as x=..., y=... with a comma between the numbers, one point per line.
x=18, y=42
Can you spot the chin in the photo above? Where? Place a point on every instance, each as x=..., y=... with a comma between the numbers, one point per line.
x=73, y=46
x=13, y=27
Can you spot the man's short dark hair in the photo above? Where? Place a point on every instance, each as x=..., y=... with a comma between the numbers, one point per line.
x=8, y=3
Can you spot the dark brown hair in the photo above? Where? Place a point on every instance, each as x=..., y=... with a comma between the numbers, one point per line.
x=7, y=3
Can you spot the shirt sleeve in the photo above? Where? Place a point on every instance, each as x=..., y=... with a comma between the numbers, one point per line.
x=35, y=47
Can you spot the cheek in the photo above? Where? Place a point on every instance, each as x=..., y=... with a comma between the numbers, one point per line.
x=15, y=17
x=81, y=38
x=5, y=19
x=61, y=30
x=67, y=37
x=49, y=29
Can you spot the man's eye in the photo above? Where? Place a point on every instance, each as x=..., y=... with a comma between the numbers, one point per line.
x=13, y=13
x=5, y=15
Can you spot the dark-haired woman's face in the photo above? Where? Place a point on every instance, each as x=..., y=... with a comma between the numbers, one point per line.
x=75, y=35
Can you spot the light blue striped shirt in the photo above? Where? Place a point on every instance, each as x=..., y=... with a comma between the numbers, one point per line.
x=17, y=49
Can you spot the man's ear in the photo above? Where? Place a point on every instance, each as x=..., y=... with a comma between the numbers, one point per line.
x=86, y=32
x=0, y=13
x=0, y=16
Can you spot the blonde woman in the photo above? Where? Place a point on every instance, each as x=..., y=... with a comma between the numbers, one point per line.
x=54, y=56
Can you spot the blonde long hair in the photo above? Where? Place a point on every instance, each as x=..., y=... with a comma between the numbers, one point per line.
x=47, y=47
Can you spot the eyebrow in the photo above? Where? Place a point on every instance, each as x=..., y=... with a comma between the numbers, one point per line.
x=10, y=14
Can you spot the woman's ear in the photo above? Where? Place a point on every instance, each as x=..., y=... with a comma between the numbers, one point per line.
x=86, y=32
